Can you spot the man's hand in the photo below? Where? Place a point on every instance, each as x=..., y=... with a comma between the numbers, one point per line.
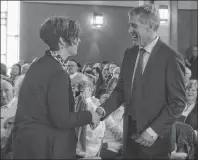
x=145, y=139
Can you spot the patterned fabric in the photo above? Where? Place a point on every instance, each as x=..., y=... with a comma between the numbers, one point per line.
x=57, y=57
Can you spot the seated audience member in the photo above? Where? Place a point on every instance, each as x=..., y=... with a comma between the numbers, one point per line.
x=192, y=60
x=91, y=76
x=103, y=64
x=116, y=72
x=3, y=69
x=106, y=74
x=112, y=142
x=86, y=67
x=112, y=84
x=4, y=75
x=15, y=72
x=189, y=115
x=9, y=118
x=25, y=68
x=100, y=83
x=188, y=74
x=7, y=109
x=22, y=62
x=98, y=65
x=89, y=139
x=72, y=68
x=112, y=66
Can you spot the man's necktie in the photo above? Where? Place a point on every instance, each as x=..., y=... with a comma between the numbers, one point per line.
x=137, y=85
x=139, y=68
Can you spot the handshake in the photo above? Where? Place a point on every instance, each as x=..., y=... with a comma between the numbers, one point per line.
x=96, y=116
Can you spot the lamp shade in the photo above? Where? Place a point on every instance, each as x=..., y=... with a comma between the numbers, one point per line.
x=97, y=19
x=163, y=13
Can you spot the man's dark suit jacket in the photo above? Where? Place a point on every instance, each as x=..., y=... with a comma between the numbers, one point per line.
x=45, y=122
x=163, y=95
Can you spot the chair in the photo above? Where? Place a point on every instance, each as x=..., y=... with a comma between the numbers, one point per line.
x=183, y=137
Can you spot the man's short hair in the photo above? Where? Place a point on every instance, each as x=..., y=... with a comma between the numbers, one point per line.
x=55, y=27
x=148, y=14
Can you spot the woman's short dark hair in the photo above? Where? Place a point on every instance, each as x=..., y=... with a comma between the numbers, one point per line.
x=55, y=27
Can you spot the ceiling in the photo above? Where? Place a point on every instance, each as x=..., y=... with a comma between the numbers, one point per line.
x=105, y=3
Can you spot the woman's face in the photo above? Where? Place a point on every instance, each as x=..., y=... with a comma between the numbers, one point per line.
x=105, y=71
x=15, y=70
x=73, y=49
x=191, y=94
x=88, y=68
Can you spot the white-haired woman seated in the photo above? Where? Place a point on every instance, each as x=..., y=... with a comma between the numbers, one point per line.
x=186, y=129
x=9, y=122
x=89, y=139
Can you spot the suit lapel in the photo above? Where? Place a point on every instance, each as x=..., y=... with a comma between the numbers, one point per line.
x=151, y=60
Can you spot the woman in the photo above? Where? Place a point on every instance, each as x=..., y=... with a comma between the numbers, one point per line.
x=89, y=139
x=45, y=120
x=106, y=74
x=100, y=83
x=184, y=144
x=86, y=67
x=15, y=72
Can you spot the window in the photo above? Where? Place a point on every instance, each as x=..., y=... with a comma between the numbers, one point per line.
x=10, y=13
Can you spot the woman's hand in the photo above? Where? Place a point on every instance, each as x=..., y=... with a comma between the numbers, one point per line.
x=103, y=98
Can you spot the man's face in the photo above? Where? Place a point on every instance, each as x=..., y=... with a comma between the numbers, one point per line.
x=140, y=32
x=111, y=68
x=71, y=67
x=6, y=92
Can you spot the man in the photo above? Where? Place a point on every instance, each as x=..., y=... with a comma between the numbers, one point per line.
x=45, y=120
x=151, y=84
x=72, y=68
x=7, y=109
x=112, y=66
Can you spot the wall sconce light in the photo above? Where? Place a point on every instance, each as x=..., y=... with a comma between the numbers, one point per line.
x=163, y=13
x=97, y=20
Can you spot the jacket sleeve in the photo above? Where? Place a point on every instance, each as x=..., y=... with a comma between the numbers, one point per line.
x=116, y=98
x=176, y=95
x=60, y=113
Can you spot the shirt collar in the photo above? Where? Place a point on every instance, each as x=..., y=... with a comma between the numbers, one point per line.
x=57, y=57
x=73, y=75
x=150, y=46
x=9, y=105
